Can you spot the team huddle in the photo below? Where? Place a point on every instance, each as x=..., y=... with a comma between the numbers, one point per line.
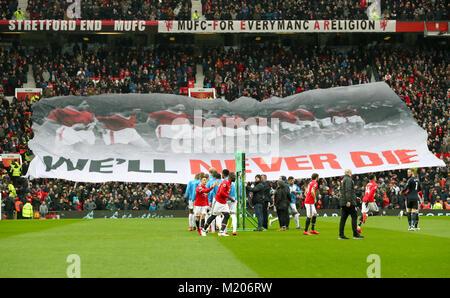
x=212, y=201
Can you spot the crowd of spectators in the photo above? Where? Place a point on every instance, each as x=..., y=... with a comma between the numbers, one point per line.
x=417, y=74
x=7, y=9
x=118, y=69
x=262, y=72
x=284, y=10
x=414, y=10
x=112, y=10
x=60, y=195
x=411, y=10
x=14, y=65
x=15, y=126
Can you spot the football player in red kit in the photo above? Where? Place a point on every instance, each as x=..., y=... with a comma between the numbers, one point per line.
x=368, y=203
x=73, y=125
x=220, y=206
x=201, y=202
x=120, y=129
x=310, y=200
x=172, y=123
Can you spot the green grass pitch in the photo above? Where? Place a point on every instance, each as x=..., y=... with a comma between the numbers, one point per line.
x=158, y=247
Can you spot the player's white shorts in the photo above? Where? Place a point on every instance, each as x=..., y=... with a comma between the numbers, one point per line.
x=309, y=125
x=325, y=123
x=123, y=136
x=191, y=205
x=200, y=210
x=259, y=130
x=337, y=120
x=293, y=208
x=219, y=208
x=310, y=210
x=68, y=136
x=210, y=210
x=233, y=131
x=232, y=206
x=366, y=207
x=356, y=121
x=289, y=126
x=176, y=131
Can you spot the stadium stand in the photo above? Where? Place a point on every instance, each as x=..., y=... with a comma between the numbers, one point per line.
x=414, y=10
x=422, y=85
x=419, y=75
x=113, y=10
x=110, y=70
x=322, y=10
x=7, y=9
x=276, y=71
x=13, y=69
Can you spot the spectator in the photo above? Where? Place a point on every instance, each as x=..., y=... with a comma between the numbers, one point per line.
x=386, y=203
x=9, y=206
x=437, y=205
x=153, y=206
x=90, y=205
x=43, y=210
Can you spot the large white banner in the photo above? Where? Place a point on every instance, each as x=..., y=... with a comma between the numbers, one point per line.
x=170, y=138
x=277, y=26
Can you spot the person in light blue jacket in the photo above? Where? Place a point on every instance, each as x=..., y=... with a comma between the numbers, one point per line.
x=212, y=194
x=232, y=205
x=190, y=196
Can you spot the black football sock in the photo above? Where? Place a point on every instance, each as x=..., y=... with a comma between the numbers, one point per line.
x=313, y=223
x=360, y=220
x=409, y=218
x=225, y=221
x=308, y=220
x=209, y=221
x=416, y=219
x=197, y=224
x=202, y=223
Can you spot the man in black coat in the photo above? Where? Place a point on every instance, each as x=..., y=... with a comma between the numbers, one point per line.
x=258, y=190
x=9, y=207
x=267, y=200
x=348, y=205
x=282, y=201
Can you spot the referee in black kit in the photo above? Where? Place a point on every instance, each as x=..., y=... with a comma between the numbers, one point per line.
x=348, y=205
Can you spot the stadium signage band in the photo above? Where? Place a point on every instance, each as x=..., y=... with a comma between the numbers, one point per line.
x=276, y=26
x=220, y=26
x=146, y=214
x=78, y=25
x=168, y=138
